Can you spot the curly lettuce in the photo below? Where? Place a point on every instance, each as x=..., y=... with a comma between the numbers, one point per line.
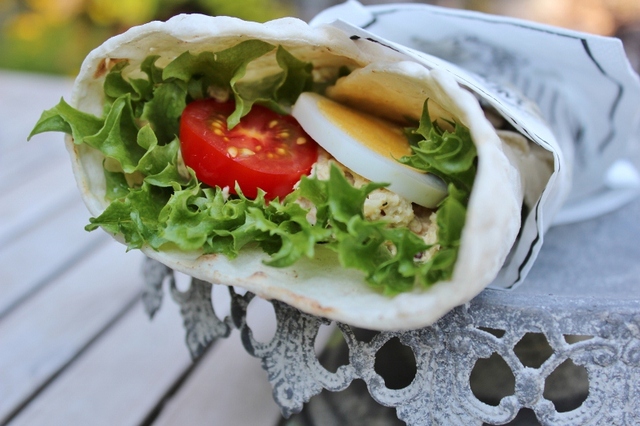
x=156, y=201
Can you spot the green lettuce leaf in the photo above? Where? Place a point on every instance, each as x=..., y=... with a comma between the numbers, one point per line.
x=64, y=118
x=165, y=108
x=156, y=201
x=452, y=156
x=276, y=92
x=135, y=216
x=118, y=138
x=117, y=185
x=220, y=70
x=449, y=155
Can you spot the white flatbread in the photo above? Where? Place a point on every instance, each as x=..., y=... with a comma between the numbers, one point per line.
x=321, y=286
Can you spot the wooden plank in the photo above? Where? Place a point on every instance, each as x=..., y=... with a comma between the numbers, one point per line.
x=24, y=97
x=40, y=196
x=120, y=378
x=45, y=251
x=35, y=177
x=21, y=162
x=228, y=387
x=45, y=333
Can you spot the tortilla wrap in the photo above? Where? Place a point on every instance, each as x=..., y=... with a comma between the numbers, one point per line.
x=384, y=84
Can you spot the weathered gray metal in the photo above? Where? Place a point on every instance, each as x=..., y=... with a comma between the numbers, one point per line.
x=582, y=301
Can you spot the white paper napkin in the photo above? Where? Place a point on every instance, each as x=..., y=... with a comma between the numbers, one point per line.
x=574, y=94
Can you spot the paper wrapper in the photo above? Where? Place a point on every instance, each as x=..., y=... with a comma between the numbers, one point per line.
x=571, y=93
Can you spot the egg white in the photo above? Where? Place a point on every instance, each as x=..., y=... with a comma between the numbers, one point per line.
x=420, y=188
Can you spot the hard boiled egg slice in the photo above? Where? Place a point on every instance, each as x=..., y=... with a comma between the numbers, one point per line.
x=368, y=145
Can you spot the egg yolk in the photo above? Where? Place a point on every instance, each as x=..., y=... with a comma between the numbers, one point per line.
x=379, y=135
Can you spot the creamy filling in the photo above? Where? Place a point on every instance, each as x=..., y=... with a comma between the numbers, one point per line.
x=383, y=204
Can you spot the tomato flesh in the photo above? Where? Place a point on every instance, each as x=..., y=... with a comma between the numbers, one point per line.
x=265, y=150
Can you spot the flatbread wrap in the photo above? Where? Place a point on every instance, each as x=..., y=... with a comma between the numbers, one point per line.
x=313, y=248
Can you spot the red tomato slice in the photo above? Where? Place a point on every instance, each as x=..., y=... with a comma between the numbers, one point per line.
x=265, y=150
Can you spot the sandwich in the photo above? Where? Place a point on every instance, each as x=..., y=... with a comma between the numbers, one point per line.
x=297, y=163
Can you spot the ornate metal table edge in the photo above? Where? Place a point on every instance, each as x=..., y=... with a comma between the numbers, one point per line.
x=604, y=343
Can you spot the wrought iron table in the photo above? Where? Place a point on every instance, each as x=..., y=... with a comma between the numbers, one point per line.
x=564, y=347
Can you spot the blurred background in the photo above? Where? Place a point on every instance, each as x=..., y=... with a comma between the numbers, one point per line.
x=53, y=36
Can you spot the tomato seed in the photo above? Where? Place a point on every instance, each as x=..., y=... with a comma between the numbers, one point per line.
x=301, y=141
x=232, y=151
x=273, y=124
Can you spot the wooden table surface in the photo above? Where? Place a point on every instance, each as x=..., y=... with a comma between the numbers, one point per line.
x=76, y=347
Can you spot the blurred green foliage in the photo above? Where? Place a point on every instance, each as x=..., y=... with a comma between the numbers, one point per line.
x=54, y=36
